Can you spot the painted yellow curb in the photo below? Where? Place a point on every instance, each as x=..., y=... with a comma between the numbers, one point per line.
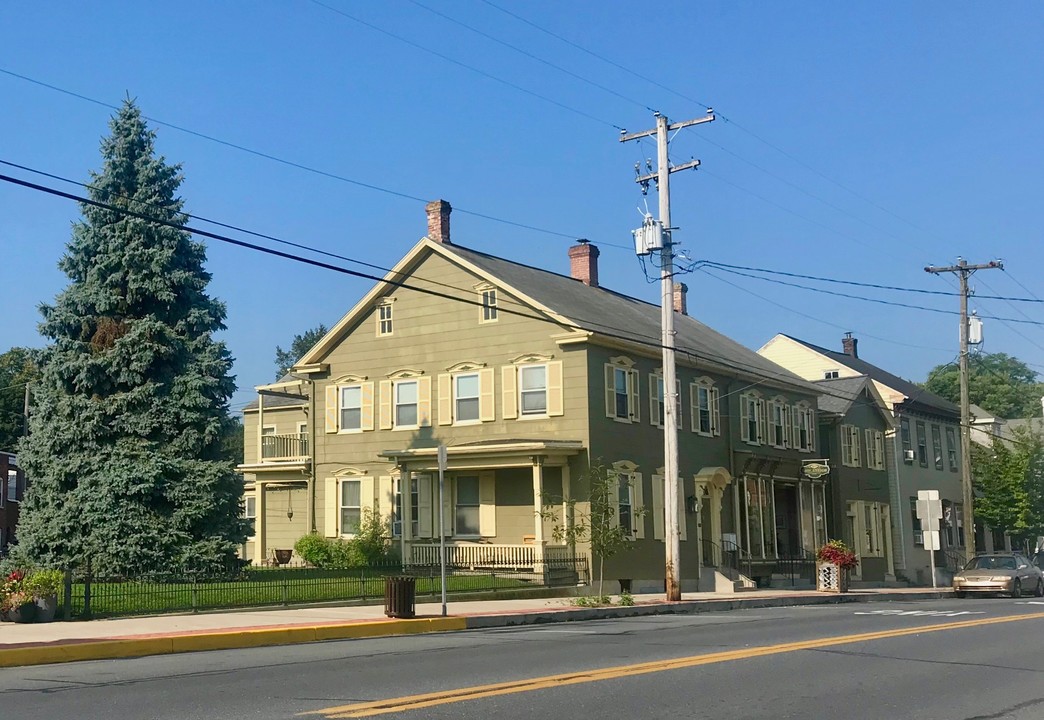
x=223, y=640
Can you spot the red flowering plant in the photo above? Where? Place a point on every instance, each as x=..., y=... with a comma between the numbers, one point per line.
x=837, y=553
x=12, y=592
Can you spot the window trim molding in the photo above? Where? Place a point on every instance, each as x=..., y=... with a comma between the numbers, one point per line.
x=385, y=302
x=522, y=414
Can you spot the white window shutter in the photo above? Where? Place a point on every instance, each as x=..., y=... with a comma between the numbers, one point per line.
x=487, y=410
x=385, y=404
x=694, y=407
x=715, y=412
x=610, y=391
x=657, y=507
x=509, y=391
x=682, y=530
x=637, y=503
x=745, y=418
x=424, y=503
x=332, y=409
x=856, y=454
x=366, y=406
x=634, y=404
x=331, y=506
x=554, y=388
x=424, y=401
x=795, y=427
x=761, y=421
x=445, y=388
x=385, y=497
x=654, y=407
x=488, y=504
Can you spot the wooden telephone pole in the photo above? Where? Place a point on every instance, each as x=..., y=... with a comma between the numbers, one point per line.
x=670, y=399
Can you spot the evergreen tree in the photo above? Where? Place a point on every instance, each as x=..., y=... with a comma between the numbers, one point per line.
x=128, y=418
x=301, y=344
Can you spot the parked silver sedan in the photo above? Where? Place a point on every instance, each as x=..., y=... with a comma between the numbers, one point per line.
x=1009, y=573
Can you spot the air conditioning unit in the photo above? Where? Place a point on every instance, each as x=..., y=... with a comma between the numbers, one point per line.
x=909, y=455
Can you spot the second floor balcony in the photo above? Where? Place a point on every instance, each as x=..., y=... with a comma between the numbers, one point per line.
x=293, y=446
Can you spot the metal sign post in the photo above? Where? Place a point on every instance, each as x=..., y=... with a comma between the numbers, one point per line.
x=929, y=512
x=442, y=524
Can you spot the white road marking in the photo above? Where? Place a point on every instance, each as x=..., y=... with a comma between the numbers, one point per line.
x=924, y=613
x=1030, y=602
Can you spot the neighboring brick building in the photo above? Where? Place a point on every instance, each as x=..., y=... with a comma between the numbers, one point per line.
x=12, y=489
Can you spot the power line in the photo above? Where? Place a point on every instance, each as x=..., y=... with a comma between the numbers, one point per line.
x=292, y=163
x=532, y=56
x=472, y=68
x=819, y=278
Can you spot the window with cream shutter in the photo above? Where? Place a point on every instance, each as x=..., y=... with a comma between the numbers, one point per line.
x=487, y=410
x=445, y=391
x=331, y=409
x=385, y=402
x=555, y=400
x=509, y=391
x=424, y=506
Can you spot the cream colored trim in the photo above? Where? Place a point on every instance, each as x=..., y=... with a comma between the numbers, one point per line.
x=532, y=359
x=349, y=472
x=467, y=366
x=569, y=338
x=484, y=285
x=280, y=385
x=622, y=361
x=278, y=408
x=404, y=374
x=624, y=466
x=310, y=369
x=349, y=379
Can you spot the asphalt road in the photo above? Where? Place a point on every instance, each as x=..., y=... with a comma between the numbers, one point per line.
x=723, y=666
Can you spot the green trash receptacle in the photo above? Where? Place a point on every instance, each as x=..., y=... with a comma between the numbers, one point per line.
x=400, y=596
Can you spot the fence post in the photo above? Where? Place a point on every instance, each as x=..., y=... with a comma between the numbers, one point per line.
x=87, y=591
x=286, y=590
x=195, y=593
x=67, y=600
x=362, y=583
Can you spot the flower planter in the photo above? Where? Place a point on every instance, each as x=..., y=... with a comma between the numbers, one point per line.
x=46, y=608
x=831, y=578
x=23, y=613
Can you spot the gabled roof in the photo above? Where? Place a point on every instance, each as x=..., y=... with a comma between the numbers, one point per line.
x=840, y=394
x=917, y=398
x=274, y=401
x=578, y=307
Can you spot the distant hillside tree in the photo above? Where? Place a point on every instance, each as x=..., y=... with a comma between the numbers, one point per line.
x=301, y=344
x=130, y=413
x=997, y=382
x=17, y=369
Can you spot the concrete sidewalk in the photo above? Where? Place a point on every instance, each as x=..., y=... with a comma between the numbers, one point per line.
x=156, y=635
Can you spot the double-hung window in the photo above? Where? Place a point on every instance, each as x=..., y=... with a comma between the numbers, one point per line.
x=752, y=419
x=850, y=454
x=937, y=446
x=350, y=506
x=915, y=523
x=405, y=403
x=705, y=415
x=777, y=424
x=250, y=512
x=466, y=513
x=384, y=319
x=951, y=448
x=922, y=444
x=805, y=439
x=351, y=407
x=625, y=506
x=657, y=400
x=397, y=516
x=12, y=486
x=904, y=433
x=621, y=391
x=489, y=305
x=466, y=397
x=532, y=389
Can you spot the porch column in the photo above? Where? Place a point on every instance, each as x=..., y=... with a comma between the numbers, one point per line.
x=538, y=494
x=260, y=526
x=260, y=425
x=714, y=501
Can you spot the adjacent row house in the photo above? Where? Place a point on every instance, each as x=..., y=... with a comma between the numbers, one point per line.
x=12, y=490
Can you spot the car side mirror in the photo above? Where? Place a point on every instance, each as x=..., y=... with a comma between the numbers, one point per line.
x=1023, y=567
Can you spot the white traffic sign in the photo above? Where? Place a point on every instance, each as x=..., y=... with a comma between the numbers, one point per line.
x=929, y=512
x=442, y=458
x=931, y=540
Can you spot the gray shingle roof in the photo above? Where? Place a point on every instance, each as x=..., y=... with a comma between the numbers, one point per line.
x=842, y=393
x=918, y=399
x=604, y=311
x=277, y=401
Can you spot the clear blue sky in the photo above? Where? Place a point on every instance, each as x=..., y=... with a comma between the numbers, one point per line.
x=913, y=131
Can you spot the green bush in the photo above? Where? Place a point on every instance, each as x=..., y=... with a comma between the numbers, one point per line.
x=368, y=548
x=43, y=583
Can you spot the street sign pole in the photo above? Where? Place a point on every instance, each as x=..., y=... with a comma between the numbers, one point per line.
x=929, y=512
x=442, y=524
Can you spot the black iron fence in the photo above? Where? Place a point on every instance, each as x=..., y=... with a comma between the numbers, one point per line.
x=94, y=596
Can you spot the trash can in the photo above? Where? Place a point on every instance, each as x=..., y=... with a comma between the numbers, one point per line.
x=400, y=596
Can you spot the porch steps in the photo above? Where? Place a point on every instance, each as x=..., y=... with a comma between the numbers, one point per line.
x=724, y=584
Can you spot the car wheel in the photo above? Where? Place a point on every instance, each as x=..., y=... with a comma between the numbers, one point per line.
x=1016, y=588
x=1040, y=588
x=959, y=594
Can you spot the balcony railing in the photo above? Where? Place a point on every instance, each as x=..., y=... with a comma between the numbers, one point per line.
x=284, y=447
x=477, y=555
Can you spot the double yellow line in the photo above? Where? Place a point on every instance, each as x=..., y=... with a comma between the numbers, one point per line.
x=443, y=697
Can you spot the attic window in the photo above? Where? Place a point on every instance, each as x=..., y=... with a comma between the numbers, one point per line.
x=384, y=319
x=489, y=305
x=831, y=375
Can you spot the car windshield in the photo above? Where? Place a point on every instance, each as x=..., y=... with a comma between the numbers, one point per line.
x=991, y=562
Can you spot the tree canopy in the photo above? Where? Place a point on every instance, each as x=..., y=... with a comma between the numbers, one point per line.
x=997, y=382
x=131, y=409
x=301, y=344
x=17, y=369
x=1009, y=477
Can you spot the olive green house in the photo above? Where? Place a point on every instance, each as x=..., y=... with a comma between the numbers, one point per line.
x=530, y=377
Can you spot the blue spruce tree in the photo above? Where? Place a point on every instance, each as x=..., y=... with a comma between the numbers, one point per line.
x=128, y=418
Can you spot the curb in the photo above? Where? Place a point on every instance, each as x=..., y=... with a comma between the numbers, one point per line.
x=75, y=651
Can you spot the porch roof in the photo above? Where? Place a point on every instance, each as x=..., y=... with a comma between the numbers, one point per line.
x=508, y=451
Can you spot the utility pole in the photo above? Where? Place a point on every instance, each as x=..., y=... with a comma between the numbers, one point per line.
x=670, y=399
x=963, y=271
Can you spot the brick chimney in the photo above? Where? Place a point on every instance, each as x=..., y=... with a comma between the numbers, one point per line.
x=583, y=263
x=438, y=221
x=850, y=345
x=680, y=305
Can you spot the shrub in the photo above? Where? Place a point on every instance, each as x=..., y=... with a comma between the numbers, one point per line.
x=368, y=548
x=43, y=583
x=315, y=550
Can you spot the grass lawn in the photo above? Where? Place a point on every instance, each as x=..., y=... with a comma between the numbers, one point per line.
x=265, y=587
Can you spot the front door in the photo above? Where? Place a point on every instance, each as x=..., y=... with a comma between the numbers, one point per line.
x=787, y=537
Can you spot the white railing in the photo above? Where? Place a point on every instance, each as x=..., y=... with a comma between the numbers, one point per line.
x=284, y=447
x=465, y=554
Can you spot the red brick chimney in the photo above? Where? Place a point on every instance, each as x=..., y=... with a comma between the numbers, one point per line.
x=850, y=345
x=583, y=263
x=680, y=305
x=438, y=221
